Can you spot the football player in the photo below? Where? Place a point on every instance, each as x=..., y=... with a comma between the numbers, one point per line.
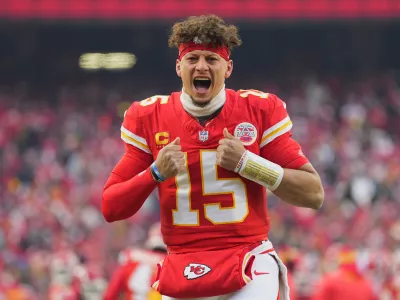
x=137, y=268
x=212, y=152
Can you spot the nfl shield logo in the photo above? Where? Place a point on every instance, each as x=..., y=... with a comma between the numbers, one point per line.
x=203, y=136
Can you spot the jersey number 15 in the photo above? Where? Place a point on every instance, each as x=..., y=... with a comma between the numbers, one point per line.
x=184, y=215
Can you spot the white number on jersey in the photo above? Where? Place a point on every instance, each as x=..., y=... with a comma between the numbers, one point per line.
x=184, y=215
x=154, y=99
x=139, y=281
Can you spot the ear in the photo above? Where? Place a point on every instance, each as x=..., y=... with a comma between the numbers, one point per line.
x=178, y=67
x=229, y=69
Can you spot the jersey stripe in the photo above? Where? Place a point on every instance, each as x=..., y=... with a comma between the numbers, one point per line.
x=275, y=131
x=246, y=259
x=134, y=140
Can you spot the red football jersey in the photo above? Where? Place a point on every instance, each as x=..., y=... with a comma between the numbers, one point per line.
x=134, y=276
x=207, y=207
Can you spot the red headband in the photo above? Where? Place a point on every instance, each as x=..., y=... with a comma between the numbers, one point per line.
x=192, y=46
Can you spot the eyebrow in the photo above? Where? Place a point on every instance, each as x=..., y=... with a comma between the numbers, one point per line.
x=207, y=56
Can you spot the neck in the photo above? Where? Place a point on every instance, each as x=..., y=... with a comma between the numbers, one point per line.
x=200, y=111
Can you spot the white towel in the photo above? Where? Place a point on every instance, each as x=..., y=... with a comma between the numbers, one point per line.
x=283, y=279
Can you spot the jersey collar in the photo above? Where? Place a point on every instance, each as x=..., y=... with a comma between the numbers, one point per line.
x=196, y=111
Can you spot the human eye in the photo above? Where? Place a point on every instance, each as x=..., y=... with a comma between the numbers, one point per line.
x=192, y=58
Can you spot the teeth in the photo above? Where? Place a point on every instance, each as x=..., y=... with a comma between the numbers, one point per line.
x=202, y=78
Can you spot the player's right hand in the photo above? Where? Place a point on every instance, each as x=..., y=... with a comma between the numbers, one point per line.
x=171, y=160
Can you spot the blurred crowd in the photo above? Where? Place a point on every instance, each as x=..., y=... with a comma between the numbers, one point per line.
x=56, y=153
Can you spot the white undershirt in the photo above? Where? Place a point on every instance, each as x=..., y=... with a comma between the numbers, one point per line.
x=200, y=111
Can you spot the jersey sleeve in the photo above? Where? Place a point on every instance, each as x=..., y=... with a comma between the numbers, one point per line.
x=128, y=186
x=116, y=284
x=133, y=129
x=277, y=144
x=130, y=183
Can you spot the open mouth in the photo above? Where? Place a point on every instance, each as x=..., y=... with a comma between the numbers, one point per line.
x=202, y=84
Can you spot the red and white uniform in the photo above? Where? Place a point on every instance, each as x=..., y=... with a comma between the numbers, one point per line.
x=134, y=275
x=206, y=207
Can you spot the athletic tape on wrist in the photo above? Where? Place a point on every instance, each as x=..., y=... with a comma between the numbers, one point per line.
x=156, y=174
x=260, y=170
x=240, y=163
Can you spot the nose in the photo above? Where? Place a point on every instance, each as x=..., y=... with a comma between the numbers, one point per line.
x=202, y=65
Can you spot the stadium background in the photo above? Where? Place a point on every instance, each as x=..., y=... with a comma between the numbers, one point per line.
x=69, y=69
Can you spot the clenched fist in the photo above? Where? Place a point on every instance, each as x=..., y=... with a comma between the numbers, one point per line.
x=170, y=160
x=229, y=151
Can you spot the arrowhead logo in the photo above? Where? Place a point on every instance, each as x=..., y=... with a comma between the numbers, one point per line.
x=193, y=271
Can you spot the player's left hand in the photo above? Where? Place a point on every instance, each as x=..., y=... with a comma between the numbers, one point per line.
x=229, y=151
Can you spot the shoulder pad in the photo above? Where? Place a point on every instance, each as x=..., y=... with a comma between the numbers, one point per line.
x=147, y=106
x=251, y=94
x=262, y=99
x=255, y=98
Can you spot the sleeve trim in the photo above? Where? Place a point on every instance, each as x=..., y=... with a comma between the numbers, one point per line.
x=134, y=140
x=275, y=131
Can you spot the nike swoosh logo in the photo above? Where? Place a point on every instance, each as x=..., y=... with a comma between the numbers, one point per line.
x=260, y=273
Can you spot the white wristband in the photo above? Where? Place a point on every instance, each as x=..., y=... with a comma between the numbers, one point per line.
x=260, y=170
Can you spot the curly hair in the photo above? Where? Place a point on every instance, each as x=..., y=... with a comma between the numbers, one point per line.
x=210, y=29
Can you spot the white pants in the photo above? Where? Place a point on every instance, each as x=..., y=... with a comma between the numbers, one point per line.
x=263, y=286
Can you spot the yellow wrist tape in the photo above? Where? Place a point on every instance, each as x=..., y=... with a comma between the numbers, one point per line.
x=260, y=170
